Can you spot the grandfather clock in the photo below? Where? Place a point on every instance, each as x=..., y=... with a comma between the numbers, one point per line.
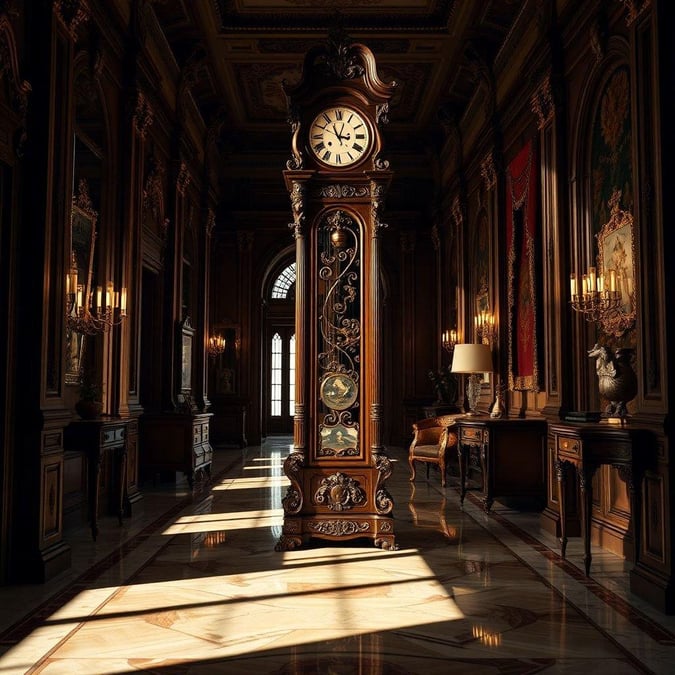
x=337, y=183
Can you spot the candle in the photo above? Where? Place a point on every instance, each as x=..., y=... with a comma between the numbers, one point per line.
x=612, y=280
x=573, y=284
x=601, y=283
x=584, y=283
x=99, y=295
x=79, y=296
x=123, y=301
x=591, y=279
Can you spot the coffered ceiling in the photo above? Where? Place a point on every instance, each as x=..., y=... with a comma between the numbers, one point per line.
x=240, y=51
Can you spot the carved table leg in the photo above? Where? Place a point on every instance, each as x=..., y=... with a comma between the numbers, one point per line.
x=487, y=486
x=462, y=473
x=586, y=488
x=633, y=483
x=562, y=505
x=94, y=470
x=123, y=483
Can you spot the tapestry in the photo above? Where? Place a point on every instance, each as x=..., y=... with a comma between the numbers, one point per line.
x=611, y=164
x=521, y=228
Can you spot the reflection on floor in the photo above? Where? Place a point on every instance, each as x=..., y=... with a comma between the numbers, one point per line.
x=192, y=584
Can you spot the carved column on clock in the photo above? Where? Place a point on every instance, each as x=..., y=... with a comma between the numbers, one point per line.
x=337, y=184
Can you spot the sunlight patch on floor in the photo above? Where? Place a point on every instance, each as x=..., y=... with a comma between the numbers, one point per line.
x=238, y=520
x=248, y=483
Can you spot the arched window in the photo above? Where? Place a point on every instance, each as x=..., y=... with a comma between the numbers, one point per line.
x=284, y=285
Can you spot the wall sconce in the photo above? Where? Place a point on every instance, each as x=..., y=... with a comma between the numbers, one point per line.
x=596, y=297
x=90, y=312
x=449, y=340
x=216, y=346
x=486, y=330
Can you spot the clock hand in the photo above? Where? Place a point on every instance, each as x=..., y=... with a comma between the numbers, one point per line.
x=337, y=134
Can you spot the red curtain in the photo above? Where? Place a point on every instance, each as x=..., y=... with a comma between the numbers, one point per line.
x=521, y=220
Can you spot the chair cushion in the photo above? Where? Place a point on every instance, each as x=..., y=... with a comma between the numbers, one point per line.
x=428, y=451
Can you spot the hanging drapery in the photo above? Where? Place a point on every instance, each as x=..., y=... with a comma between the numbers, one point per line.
x=521, y=219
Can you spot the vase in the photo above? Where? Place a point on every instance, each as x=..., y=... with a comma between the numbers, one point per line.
x=88, y=410
x=498, y=409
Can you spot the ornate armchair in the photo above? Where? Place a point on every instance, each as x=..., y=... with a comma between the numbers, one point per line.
x=434, y=436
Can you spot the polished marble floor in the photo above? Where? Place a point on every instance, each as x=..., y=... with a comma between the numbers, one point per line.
x=191, y=583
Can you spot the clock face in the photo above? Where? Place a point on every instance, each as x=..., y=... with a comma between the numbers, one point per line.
x=339, y=136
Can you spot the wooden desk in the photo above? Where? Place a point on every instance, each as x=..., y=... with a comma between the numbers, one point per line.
x=512, y=453
x=585, y=447
x=96, y=438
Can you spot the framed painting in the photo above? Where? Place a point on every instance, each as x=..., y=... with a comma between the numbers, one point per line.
x=187, y=333
x=616, y=262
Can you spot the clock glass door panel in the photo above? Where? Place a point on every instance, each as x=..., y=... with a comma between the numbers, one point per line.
x=339, y=336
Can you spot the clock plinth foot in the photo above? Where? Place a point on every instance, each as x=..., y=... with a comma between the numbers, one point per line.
x=288, y=543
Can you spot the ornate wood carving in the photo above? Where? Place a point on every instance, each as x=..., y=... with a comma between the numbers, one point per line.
x=183, y=179
x=457, y=209
x=542, y=102
x=634, y=8
x=9, y=67
x=72, y=14
x=297, y=205
x=143, y=115
x=488, y=171
x=153, y=192
x=210, y=222
x=340, y=492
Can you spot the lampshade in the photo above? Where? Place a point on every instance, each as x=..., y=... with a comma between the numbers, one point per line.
x=472, y=358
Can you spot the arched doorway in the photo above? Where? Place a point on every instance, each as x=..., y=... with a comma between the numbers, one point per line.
x=278, y=347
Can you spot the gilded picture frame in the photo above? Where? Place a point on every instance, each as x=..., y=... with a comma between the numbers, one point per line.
x=187, y=333
x=616, y=252
x=83, y=218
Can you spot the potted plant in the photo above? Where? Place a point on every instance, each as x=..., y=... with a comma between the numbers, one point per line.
x=89, y=404
x=446, y=386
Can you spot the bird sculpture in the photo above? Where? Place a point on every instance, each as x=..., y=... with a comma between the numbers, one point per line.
x=617, y=381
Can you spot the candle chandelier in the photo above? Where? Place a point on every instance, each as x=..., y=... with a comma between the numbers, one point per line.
x=90, y=311
x=596, y=297
x=486, y=330
x=449, y=340
x=216, y=345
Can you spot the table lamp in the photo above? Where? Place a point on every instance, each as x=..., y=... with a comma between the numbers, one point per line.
x=472, y=359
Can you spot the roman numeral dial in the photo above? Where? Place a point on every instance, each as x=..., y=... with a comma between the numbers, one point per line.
x=339, y=136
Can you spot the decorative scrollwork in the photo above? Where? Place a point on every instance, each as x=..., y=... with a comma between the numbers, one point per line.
x=143, y=115
x=341, y=191
x=9, y=66
x=383, y=500
x=340, y=329
x=297, y=196
x=293, y=501
x=72, y=13
x=379, y=192
x=340, y=61
x=340, y=492
x=338, y=528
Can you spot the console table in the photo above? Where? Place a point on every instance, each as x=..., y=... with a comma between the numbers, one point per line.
x=585, y=447
x=511, y=451
x=97, y=438
x=177, y=442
